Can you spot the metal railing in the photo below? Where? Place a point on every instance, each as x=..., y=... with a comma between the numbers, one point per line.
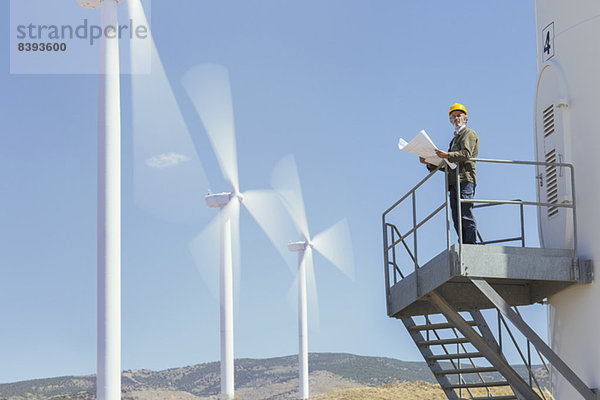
x=520, y=202
x=471, y=369
x=527, y=361
x=392, y=236
x=401, y=237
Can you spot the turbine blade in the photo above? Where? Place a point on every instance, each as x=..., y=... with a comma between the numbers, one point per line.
x=335, y=244
x=292, y=295
x=266, y=208
x=169, y=180
x=205, y=252
x=208, y=88
x=286, y=182
x=232, y=212
x=205, y=249
x=311, y=292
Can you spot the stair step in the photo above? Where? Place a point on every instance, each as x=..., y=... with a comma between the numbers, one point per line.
x=436, y=326
x=476, y=385
x=509, y=397
x=454, y=356
x=442, y=342
x=466, y=371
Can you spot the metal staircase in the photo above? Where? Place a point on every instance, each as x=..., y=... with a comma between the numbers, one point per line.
x=440, y=302
x=454, y=361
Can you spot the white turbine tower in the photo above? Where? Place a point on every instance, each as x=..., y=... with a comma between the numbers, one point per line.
x=334, y=244
x=209, y=89
x=566, y=121
x=108, y=378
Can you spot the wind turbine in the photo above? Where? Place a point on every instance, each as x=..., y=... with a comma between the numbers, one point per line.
x=169, y=177
x=108, y=377
x=333, y=243
x=209, y=89
x=145, y=85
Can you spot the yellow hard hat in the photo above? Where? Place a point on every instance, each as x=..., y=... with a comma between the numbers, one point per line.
x=457, y=107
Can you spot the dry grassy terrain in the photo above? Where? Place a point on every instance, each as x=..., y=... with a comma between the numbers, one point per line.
x=392, y=391
x=404, y=391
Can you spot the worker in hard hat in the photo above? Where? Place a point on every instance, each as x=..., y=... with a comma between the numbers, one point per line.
x=463, y=146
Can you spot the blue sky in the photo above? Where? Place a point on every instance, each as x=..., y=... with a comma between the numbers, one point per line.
x=335, y=83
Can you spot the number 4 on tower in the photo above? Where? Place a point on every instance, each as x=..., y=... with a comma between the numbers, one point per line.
x=548, y=42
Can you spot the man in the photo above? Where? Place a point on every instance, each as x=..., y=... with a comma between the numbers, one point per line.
x=463, y=146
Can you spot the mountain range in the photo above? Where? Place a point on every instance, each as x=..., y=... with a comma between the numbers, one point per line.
x=256, y=379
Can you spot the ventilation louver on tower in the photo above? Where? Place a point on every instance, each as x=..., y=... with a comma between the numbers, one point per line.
x=550, y=157
x=549, y=120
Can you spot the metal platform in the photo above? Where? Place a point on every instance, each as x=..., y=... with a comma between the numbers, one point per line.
x=522, y=275
x=439, y=302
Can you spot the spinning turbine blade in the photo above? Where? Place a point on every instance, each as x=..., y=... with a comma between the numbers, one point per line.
x=335, y=245
x=169, y=180
x=286, y=182
x=205, y=251
x=205, y=248
x=311, y=292
x=266, y=208
x=292, y=295
x=232, y=211
x=208, y=87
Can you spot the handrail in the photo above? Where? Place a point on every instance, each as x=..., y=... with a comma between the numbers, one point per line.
x=526, y=363
x=420, y=224
x=385, y=235
x=416, y=225
x=526, y=203
x=412, y=190
x=571, y=205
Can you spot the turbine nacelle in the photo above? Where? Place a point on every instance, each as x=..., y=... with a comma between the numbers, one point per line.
x=221, y=199
x=299, y=246
x=218, y=199
x=93, y=4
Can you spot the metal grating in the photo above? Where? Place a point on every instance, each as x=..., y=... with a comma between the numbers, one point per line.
x=551, y=183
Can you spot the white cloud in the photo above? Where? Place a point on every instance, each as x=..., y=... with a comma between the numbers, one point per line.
x=166, y=160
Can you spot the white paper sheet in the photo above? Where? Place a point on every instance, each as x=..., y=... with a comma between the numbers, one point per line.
x=423, y=146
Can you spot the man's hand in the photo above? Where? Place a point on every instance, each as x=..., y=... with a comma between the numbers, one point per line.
x=441, y=154
x=422, y=160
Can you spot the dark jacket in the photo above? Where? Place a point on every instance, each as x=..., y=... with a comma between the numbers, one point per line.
x=463, y=146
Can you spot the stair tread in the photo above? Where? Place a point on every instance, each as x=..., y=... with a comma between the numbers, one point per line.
x=436, y=326
x=476, y=385
x=509, y=397
x=438, y=342
x=454, y=356
x=466, y=371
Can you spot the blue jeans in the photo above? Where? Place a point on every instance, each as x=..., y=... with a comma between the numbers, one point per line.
x=469, y=226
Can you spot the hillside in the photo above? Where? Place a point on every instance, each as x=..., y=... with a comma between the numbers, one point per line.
x=256, y=379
